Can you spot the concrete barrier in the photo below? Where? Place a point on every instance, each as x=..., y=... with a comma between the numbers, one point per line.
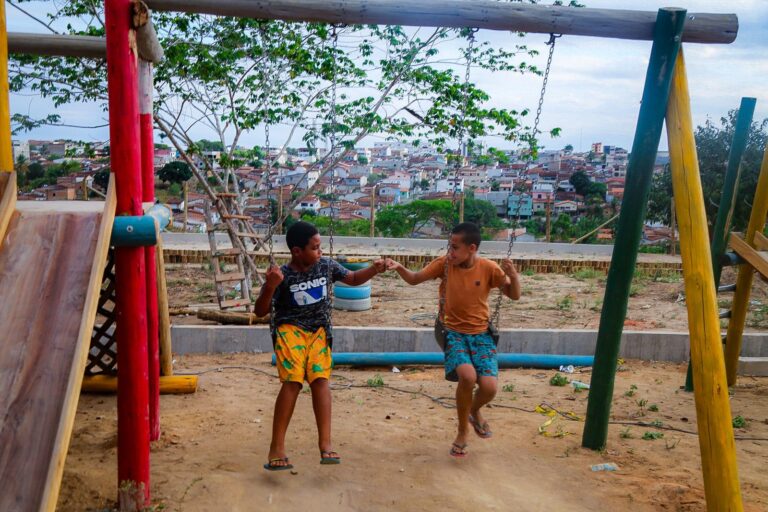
x=648, y=345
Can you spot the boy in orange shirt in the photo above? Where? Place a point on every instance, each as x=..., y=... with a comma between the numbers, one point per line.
x=470, y=352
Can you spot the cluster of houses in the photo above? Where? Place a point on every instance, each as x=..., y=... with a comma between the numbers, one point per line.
x=370, y=178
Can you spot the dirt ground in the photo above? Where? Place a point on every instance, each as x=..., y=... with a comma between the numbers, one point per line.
x=394, y=442
x=549, y=301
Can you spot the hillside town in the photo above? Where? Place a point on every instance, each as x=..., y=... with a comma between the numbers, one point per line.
x=367, y=180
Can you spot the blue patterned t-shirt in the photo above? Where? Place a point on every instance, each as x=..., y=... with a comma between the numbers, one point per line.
x=302, y=297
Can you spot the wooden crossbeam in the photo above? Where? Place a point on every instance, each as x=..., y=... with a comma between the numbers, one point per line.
x=756, y=259
x=760, y=241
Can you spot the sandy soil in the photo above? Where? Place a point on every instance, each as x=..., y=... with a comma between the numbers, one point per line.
x=395, y=445
x=549, y=301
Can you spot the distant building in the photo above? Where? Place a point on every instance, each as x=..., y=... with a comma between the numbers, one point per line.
x=519, y=205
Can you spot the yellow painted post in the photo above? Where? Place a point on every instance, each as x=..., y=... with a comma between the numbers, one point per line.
x=744, y=279
x=713, y=411
x=6, y=148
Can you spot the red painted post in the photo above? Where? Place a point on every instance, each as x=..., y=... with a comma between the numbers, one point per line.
x=130, y=278
x=148, y=186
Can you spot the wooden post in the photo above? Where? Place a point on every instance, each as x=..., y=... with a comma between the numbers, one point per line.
x=163, y=316
x=713, y=411
x=486, y=14
x=148, y=196
x=461, y=207
x=373, y=211
x=549, y=223
x=131, y=284
x=740, y=304
x=728, y=197
x=666, y=44
x=731, y=184
x=6, y=146
x=186, y=207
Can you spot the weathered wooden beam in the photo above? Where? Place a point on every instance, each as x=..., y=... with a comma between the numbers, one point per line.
x=486, y=14
x=57, y=45
x=753, y=258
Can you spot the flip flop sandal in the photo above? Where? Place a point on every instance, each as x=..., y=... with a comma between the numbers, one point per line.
x=483, y=430
x=458, y=450
x=330, y=458
x=271, y=466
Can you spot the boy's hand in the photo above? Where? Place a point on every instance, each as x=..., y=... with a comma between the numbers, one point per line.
x=274, y=276
x=381, y=266
x=392, y=264
x=509, y=268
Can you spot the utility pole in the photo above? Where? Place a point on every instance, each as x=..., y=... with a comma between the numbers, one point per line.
x=279, y=226
x=673, y=249
x=373, y=210
x=549, y=221
x=186, y=203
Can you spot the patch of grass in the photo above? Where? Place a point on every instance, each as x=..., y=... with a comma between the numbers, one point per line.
x=632, y=391
x=657, y=423
x=626, y=433
x=528, y=272
x=651, y=436
x=585, y=273
x=668, y=276
x=538, y=277
x=508, y=388
x=565, y=303
x=739, y=422
x=636, y=289
x=598, y=305
x=375, y=382
x=558, y=380
x=653, y=408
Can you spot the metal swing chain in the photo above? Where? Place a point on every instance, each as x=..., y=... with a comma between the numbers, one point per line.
x=457, y=164
x=462, y=120
x=329, y=285
x=551, y=43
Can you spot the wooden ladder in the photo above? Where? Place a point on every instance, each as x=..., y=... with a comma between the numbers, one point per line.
x=227, y=282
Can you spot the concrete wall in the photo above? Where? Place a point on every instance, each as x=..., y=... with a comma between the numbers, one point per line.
x=658, y=346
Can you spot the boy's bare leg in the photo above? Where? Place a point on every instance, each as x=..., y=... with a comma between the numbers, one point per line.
x=284, y=405
x=486, y=390
x=321, y=403
x=467, y=378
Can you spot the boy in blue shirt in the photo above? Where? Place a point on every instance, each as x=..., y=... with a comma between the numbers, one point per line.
x=302, y=336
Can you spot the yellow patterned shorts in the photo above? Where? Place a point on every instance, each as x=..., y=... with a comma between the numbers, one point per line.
x=302, y=355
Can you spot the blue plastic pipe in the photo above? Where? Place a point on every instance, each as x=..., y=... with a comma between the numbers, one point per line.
x=438, y=358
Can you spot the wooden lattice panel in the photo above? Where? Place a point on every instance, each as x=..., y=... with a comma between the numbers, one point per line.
x=102, y=356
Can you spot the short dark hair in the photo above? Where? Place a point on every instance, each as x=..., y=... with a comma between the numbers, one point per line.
x=470, y=233
x=299, y=234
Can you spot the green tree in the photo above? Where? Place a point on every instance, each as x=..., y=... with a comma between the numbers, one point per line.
x=362, y=160
x=21, y=166
x=36, y=171
x=101, y=179
x=580, y=182
x=713, y=144
x=175, y=172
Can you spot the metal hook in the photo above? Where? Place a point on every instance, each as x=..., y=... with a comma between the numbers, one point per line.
x=552, y=37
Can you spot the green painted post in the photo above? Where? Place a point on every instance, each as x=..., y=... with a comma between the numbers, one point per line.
x=666, y=45
x=728, y=197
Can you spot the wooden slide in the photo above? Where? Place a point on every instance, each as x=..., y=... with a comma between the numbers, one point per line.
x=52, y=256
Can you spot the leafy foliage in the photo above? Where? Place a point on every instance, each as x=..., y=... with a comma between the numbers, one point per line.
x=175, y=172
x=713, y=144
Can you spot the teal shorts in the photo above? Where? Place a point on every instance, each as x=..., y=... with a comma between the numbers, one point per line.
x=479, y=350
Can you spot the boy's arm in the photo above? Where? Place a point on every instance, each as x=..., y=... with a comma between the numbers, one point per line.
x=511, y=286
x=361, y=276
x=410, y=277
x=273, y=279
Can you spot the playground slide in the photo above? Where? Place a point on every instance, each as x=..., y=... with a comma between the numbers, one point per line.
x=52, y=256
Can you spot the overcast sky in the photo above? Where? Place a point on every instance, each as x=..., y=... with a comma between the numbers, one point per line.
x=594, y=87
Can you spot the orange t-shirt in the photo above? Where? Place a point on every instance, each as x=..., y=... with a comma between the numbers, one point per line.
x=466, y=298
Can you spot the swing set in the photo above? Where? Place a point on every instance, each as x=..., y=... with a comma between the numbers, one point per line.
x=665, y=96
